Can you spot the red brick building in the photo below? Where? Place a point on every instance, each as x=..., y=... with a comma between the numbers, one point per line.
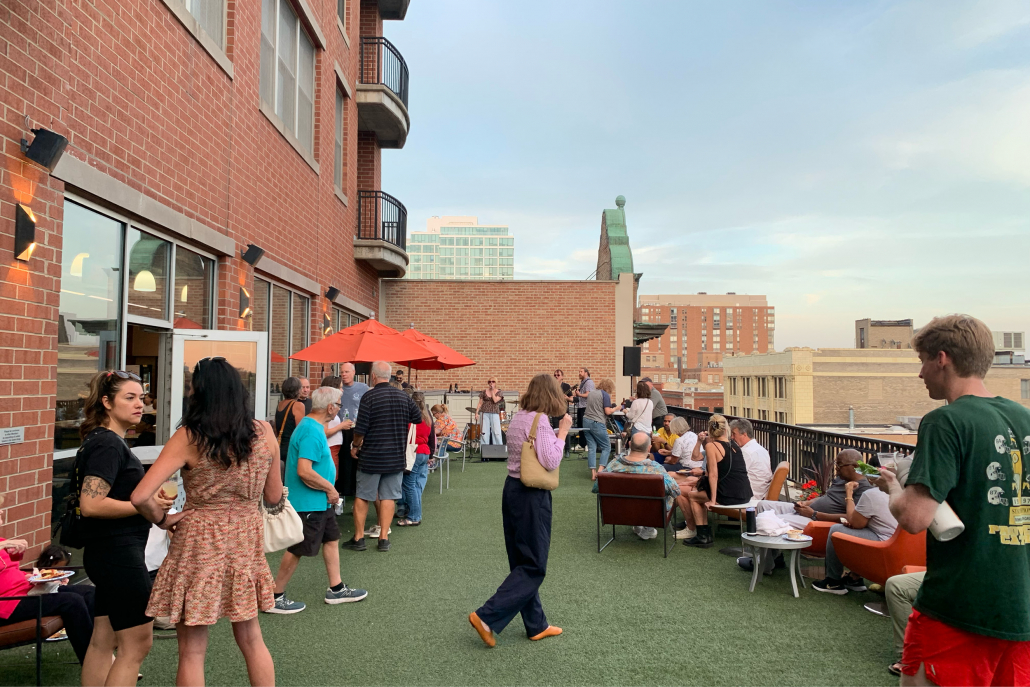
x=703, y=328
x=193, y=129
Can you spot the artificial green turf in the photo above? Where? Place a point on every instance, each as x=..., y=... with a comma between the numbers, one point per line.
x=630, y=616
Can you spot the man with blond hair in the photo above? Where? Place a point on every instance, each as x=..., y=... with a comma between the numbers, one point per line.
x=971, y=623
x=380, y=440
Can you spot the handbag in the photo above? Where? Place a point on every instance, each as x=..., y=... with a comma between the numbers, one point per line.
x=532, y=473
x=283, y=527
x=410, y=451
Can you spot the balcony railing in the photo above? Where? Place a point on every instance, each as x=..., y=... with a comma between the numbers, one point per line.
x=381, y=63
x=801, y=447
x=382, y=217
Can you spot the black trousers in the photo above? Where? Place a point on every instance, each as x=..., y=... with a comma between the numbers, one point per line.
x=72, y=603
x=526, y=513
x=581, y=440
x=347, y=476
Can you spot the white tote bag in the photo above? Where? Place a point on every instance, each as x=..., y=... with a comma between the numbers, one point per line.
x=410, y=450
x=283, y=527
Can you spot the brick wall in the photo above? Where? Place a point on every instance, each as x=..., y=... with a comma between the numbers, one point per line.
x=527, y=327
x=142, y=102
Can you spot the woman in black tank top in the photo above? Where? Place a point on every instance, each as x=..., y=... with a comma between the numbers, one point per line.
x=730, y=485
x=288, y=414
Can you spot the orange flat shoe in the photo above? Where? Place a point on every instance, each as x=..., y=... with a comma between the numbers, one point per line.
x=486, y=635
x=551, y=631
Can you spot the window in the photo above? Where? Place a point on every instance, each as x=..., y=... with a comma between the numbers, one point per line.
x=763, y=387
x=781, y=418
x=191, y=296
x=88, y=321
x=210, y=14
x=763, y=414
x=338, y=147
x=148, y=275
x=733, y=410
x=747, y=386
x=733, y=387
x=1024, y=388
x=341, y=12
x=299, y=333
x=288, y=70
x=780, y=386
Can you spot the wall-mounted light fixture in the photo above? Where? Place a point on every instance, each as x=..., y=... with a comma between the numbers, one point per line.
x=245, y=310
x=185, y=293
x=253, y=254
x=46, y=148
x=327, y=325
x=76, y=269
x=24, y=233
x=332, y=293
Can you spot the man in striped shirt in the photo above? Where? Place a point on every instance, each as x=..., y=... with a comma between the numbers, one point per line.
x=380, y=440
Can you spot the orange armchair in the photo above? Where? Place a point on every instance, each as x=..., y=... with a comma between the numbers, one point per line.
x=878, y=560
x=818, y=531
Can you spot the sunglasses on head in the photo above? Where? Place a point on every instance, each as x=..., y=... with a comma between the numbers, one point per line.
x=122, y=374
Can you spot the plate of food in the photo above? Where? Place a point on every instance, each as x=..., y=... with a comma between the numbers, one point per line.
x=49, y=575
x=796, y=535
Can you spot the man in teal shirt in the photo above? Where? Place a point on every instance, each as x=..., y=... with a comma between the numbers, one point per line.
x=971, y=624
x=310, y=476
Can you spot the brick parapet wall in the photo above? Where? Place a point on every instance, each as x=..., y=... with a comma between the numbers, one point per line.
x=512, y=329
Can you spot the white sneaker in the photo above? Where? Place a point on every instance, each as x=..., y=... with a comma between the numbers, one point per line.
x=636, y=530
x=686, y=534
x=373, y=532
x=648, y=532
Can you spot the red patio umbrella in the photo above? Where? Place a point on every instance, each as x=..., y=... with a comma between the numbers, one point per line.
x=277, y=358
x=185, y=323
x=446, y=357
x=365, y=342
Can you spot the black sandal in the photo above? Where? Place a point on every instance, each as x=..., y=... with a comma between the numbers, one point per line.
x=895, y=669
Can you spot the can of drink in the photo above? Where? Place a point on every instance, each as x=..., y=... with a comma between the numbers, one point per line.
x=751, y=521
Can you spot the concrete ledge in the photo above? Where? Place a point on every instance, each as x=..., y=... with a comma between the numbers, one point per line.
x=80, y=175
x=386, y=258
x=343, y=80
x=393, y=9
x=288, y=276
x=381, y=111
x=308, y=17
x=197, y=31
x=272, y=117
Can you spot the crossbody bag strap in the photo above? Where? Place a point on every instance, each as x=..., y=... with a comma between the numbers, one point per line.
x=282, y=427
x=532, y=431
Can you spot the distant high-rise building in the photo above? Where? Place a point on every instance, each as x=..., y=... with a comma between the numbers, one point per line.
x=702, y=328
x=461, y=248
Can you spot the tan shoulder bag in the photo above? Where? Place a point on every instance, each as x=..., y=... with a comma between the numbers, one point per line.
x=532, y=473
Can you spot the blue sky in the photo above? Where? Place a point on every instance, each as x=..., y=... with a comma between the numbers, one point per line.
x=846, y=159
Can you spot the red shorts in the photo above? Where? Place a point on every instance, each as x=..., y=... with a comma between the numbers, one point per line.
x=956, y=657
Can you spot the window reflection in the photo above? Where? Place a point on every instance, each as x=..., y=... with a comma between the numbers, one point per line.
x=301, y=324
x=88, y=315
x=191, y=297
x=279, y=335
x=148, y=275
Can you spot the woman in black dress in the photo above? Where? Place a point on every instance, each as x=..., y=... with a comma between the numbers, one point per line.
x=115, y=533
x=288, y=415
x=725, y=481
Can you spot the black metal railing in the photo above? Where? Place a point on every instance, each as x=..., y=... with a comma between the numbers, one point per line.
x=801, y=447
x=382, y=217
x=382, y=63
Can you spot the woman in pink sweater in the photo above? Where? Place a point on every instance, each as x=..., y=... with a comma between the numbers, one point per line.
x=526, y=513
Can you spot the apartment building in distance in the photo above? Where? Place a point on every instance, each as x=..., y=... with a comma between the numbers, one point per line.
x=461, y=248
x=805, y=386
x=702, y=329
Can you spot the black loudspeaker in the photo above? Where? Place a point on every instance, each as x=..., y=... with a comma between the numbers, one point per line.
x=362, y=368
x=631, y=361
x=494, y=451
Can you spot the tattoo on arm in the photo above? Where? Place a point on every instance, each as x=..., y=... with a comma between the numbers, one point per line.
x=95, y=487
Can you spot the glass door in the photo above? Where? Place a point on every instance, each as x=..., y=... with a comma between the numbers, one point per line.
x=246, y=351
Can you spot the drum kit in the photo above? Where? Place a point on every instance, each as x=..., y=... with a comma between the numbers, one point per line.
x=475, y=431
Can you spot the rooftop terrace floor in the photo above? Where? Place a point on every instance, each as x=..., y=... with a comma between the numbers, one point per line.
x=630, y=617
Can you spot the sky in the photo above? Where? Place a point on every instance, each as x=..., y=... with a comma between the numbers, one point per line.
x=847, y=160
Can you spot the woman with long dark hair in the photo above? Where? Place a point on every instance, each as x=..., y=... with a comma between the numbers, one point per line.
x=216, y=563
x=115, y=533
x=526, y=512
x=288, y=414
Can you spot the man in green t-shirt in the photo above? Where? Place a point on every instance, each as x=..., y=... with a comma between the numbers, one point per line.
x=971, y=623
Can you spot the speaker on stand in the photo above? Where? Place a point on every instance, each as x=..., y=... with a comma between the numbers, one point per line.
x=631, y=361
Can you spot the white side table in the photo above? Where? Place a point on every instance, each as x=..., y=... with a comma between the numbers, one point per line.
x=765, y=546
